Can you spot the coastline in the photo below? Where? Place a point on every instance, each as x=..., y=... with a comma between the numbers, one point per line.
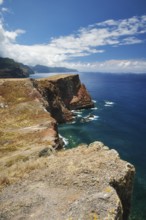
x=31, y=129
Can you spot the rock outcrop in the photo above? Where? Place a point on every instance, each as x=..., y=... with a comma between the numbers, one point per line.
x=88, y=182
x=63, y=93
x=83, y=183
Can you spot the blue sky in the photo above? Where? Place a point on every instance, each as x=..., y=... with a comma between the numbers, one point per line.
x=88, y=35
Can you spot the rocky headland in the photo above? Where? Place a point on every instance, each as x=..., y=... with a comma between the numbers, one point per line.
x=12, y=69
x=41, y=180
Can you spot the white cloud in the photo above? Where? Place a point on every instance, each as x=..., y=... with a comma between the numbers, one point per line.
x=131, y=40
x=111, y=66
x=8, y=37
x=1, y=2
x=5, y=9
x=87, y=41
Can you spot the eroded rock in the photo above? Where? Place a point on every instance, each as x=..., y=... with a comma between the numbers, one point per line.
x=62, y=94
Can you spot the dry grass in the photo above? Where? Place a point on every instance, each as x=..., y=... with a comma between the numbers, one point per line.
x=57, y=77
x=23, y=130
x=19, y=168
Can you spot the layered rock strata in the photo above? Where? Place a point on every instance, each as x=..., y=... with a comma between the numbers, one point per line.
x=82, y=183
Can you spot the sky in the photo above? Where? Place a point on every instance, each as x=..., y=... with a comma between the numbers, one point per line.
x=87, y=35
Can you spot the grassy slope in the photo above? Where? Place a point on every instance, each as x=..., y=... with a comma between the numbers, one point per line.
x=25, y=128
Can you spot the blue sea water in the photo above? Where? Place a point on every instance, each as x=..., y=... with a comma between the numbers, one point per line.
x=119, y=121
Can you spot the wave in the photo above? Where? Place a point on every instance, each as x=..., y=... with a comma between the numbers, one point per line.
x=71, y=122
x=65, y=140
x=77, y=113
x=108, y=103
x=95, y=108
x=89, y=118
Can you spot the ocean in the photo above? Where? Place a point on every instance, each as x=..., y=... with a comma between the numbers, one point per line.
x=118, y=120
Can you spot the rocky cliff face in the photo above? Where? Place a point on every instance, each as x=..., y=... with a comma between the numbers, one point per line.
x=30, y=107
x=81, y=183
x=63, y=93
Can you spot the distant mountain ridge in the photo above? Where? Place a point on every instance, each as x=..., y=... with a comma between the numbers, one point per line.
x=47, y=69
x=11, y=69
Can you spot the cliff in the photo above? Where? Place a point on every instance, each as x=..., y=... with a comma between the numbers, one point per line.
x=11, y=69
x=83, y=182
x=63, y=93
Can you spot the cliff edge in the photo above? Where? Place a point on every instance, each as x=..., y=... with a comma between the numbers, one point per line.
x=30, y=111
x=63, y=93
x=88, y=182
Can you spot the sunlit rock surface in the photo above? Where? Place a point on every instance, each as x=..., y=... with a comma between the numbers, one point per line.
x=82, y=183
